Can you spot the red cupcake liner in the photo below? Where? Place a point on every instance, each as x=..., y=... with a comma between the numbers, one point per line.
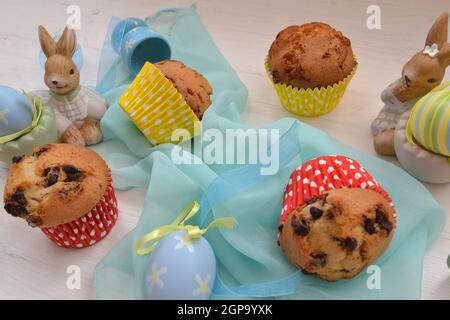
x=322, y=174
x=90, y=228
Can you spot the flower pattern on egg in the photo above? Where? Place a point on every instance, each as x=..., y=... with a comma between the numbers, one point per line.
x=184, y=241
x=203, y=289
x=154, y=279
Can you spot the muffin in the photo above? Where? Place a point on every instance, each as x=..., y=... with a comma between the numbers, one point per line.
x=165, y=97
x=64, y=189
x=336, y=219
x=194, y=87
x=339, y=233
x=307, y=57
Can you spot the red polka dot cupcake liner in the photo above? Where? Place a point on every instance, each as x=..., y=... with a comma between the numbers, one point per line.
x=322, y=174
x=91, y=227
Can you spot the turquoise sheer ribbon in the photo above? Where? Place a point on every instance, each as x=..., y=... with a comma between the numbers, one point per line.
x=250, y=263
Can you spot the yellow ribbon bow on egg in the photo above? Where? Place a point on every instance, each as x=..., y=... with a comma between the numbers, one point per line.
x=193, y=232
x=37, y=113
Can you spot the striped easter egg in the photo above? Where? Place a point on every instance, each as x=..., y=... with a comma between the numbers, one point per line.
x=428, y=124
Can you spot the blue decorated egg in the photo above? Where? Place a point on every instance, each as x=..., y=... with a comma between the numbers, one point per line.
x=180, y=268
x=16, y=111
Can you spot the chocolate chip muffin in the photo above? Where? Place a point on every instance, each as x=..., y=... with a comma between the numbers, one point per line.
x=339, y=233
x=58, y=183
x=194, y=87
x=309, y=56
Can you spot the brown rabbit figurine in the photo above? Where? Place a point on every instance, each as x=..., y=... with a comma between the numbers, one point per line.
x=423, y=72
x=78, y=109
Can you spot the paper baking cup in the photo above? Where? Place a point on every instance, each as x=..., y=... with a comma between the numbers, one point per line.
x=322, y=174
x=90, y=228
x=156, y=107
x=310, y=102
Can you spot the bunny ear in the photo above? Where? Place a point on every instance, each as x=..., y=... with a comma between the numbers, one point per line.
x=438, y=32
x=67, y=43
x=48, y=45
x=444, y=55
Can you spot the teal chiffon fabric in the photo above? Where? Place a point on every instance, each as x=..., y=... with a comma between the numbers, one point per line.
x=248, y=257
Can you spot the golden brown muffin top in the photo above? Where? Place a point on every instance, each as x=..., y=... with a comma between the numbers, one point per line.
x=338, y=235
x=194, y=87
x=311, y=55
x=58, y=183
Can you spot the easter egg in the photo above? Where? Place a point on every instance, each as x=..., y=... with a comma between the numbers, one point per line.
x=181, y=268
x=428, y=125
x=16, y=111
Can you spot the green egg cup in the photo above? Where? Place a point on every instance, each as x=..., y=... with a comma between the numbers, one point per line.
x=45, y=132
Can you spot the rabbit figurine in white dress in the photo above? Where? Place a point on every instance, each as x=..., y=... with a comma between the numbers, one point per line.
x=78, y=109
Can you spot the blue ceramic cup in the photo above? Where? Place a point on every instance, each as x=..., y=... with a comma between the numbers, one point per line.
x=136, y=44
x=122, y=28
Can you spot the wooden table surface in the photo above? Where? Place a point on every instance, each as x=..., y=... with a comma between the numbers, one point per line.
x=32, y=267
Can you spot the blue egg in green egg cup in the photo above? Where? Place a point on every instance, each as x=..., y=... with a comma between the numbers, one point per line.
x=25, y=123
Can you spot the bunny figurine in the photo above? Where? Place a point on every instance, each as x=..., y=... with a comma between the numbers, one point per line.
x=78, y=109
x=421, y=74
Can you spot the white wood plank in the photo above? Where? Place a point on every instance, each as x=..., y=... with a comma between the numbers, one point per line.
x=32, y=267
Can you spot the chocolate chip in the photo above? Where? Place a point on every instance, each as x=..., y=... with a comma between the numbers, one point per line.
x=319, y=259
x=72, y=173
x=382, y=221
x=16, y=210
x=17, y=159
x=348, y=243
x=51, y=180
x=18, y=197
x=280, y=228
x=369, y=226
x=311, y=200
x=299, y=227
x=15, y=204
x=316, y=213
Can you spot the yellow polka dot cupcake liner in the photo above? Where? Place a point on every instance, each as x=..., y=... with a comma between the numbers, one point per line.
x=310, y=102
x=156, y=107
